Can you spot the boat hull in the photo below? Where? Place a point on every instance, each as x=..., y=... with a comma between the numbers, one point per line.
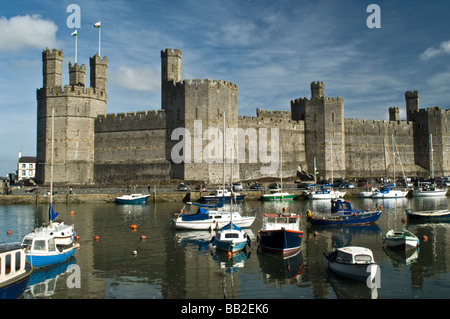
x=15, y=288
x=136, y=200
x=402, y=243
x=280, y=241
x=50, y=259
x=350, y=219
x=431, y=193
x=230, y=246
x=390, y=194
x=277, y=197
x=208, y=224
x=429, y=215
x=351, y=271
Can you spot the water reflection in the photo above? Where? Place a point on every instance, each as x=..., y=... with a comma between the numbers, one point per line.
x=181, y=264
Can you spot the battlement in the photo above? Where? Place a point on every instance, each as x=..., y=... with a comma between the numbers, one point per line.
x=204, y=82
x=411, y=94
x=70, y=91
x=170, y=52
x=54, y=53
x=131, y=121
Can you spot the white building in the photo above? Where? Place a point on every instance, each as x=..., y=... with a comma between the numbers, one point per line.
x=26, y=167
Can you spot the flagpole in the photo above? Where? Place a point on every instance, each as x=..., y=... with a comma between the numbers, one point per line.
x=76, y=43
x=99, y=41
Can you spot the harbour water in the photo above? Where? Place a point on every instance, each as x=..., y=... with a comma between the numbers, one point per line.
x=172, y=264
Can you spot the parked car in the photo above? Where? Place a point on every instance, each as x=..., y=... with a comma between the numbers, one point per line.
x=182, y=187
x=346, y=185
x=256, y=187
x=237, y=187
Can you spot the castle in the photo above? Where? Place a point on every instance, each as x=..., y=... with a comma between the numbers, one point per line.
x=91, y=146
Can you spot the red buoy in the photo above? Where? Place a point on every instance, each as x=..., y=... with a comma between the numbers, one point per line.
x=77, y=237
x=9, y=232
x=96, y=238
x=425, y=237
x=143, y=237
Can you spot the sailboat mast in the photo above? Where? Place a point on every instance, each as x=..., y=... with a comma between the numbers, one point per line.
x=393, y=157
x=431, y=157
x=281, y=168
x=51, y=158
x=223, y=152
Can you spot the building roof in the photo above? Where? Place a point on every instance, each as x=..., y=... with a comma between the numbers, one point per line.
x=27, y=159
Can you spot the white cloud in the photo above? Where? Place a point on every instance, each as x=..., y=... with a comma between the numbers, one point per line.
x=142, y=79
x=22, y=32
x=443, y=48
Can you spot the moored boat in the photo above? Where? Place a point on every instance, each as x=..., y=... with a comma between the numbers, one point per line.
x=342, y=213
x=218, y=194
x=403, y=239
x=280, y=234
x=277, y=195
x=15, y=271
x=326, y=192
x=428, y=214
x=132, y=199
x=206, y=219
x=351, y=262
x=387, y=191
x=230, y=238
x=427, y=189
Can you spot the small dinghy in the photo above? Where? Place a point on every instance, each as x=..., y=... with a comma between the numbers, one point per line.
x=351, y=262
x=403, y=239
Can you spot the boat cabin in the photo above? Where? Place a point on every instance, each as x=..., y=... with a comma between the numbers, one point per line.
x=278, y=221
x=354, y=255
x=39, y=244
x=12, y=261
x=340, y=206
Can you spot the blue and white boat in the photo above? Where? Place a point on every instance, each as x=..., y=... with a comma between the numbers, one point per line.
x=342, y=213
x=50, y=244
x=325, y=192
x=280, y=234
x=386, y=191
x=230, y=238
x=15, y=271
x=132, y=199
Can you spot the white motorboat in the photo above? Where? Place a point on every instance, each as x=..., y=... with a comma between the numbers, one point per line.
x=352, y=262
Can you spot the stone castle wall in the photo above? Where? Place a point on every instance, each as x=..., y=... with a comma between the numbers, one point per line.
x=92, y=146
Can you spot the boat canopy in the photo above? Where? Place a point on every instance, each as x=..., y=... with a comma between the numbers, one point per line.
x=228, y=226
x=202, y=214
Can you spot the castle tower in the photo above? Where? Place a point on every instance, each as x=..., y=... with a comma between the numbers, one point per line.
x=77, y=74
x=324, y=130
x=317, y=90
x=412, y=104
x=98, y=72
x=170, y=73
x=52, y=67
x=394, y=114
x=75, y=108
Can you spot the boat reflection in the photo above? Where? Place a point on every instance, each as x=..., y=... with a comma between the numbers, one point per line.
x=42, y=283
x=277, y=269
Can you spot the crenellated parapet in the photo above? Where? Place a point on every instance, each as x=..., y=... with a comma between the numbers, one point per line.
x=131, y=121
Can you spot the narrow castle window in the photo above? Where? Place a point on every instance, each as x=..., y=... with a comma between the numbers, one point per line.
x=332, y=117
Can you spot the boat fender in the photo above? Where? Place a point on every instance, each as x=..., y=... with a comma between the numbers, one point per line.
x=213, y=240
x=181, y=211
x=249, y=242
x=308, y=213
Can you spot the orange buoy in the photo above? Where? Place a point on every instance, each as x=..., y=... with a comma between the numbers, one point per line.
x=230, y=255
x=96, y=238
x=9, y=232
x=133, y=227
x=284, y=209
x=72, y=212
x=77, y=237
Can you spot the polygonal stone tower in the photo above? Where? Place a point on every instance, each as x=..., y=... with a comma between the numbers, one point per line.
x=75, y=109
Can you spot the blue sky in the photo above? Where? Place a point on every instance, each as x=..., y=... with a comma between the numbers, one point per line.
x=272, y=50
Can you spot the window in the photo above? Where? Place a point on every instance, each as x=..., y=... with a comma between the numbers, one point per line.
x=51, y=244
x=39, y=245
x=7, y=264
x=232, y=235
x=24, y=165
x=18, y=260
x=363, y=258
